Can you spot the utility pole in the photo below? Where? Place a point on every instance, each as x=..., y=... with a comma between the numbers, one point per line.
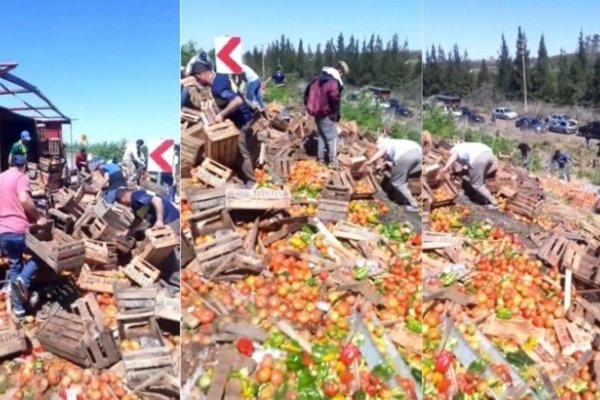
x=522, y=49
x=262, y=51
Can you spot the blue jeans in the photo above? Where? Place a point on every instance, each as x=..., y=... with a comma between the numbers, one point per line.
x=185, y=97
x=254, y=93
x=328, y=136
x=13, y=247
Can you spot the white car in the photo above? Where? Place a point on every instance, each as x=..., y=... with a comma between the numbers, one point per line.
x=504, y=113
x=555, y=118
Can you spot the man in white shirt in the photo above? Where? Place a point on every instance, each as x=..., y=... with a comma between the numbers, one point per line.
x=132, y=159
x=406, y=157
x=253, y=87
x=480, y=161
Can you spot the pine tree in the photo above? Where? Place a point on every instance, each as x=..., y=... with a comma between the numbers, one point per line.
x=580, y=70
x=522, y=56
x=593, y=93
x=301, y=60
x=341, y=48
x=565, y=89
x=483, y=77
x=318, y=59
x=505, y=69
x=541, y=80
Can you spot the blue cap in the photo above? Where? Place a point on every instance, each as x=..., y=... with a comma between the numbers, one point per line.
x=18, y=160
x=201, y=65
x=25, y=135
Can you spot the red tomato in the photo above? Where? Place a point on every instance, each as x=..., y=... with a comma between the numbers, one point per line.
x=346, y=377
x=444, y=385
x=245, y=346
x=331, y=389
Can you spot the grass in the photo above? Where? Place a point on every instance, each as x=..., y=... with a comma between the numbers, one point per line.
x=281, y=94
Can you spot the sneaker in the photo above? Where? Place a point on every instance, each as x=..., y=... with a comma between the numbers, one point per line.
x=411, y=209
x=20, y=314
x=20, y=290
x=34, y=299
x=492, y=206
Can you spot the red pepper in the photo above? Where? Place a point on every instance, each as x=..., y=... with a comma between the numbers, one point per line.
x=245, y=346
x=443, y=361
x=349, y=353
x=417, y=240
x=444, y=386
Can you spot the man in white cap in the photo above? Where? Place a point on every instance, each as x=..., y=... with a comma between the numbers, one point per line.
x=322, y=99
x=406, y=157
x=20, y=147
x=480, y=161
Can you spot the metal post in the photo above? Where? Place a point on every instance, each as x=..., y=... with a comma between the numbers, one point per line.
x=522, y=48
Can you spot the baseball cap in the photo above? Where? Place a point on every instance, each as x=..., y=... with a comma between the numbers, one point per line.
x=18, y=160
x=25, y=135
x=201, y=65
x=341, y=65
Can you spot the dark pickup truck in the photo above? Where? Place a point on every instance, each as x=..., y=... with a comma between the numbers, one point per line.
x=590, y=130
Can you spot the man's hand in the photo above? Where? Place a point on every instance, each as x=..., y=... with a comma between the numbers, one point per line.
x=189, y=81
x=41, y=221
x=218, y=118
x=159, y=224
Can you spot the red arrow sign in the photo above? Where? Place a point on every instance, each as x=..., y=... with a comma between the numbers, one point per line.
x=225, y=55
x=157, y=155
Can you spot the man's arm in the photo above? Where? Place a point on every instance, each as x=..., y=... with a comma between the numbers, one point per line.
x=232, y=106
x=30, y=208
x=159, y=207
x=380, y=153
x=450, y=162
x=105, y=180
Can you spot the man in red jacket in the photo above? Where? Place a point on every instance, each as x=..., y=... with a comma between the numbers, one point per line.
x=322, y=99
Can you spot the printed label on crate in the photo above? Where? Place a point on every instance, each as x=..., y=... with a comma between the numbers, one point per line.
x=205, y=176
x=136, y=303
x=99, y=283
x=132, y=271
x=10, y=337
x=210, y=203
x=257, y=198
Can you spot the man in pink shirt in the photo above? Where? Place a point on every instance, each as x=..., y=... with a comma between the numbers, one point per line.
x=17, y=211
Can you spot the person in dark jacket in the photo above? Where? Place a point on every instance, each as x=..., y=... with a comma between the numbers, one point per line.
x=563, y=161
x=525, y=150
x=233, y=107
x=113, y=180
x=278, y=77
x=326, y=89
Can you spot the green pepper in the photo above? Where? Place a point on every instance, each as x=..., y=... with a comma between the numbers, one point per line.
x=428, y=362
x=361, y=273
x=383, y=372
x=416, y=373
x=307, y=389
x=293, y=361
x=312, y=282
x=504, y=313
x=359, y=395
x=449, y=278
x=478, y=366
x=323, y=353
x=414, y=326
x=275, y=340
x=519, y=359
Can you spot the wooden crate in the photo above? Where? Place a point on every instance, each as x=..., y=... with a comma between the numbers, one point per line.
x=49, y=164
x=141, y=272
x=443, y=195
x=371, y=186
x=191, y=149
x=585, y=266
x=66, y=335
x=51, y=180
x=54, y=147
x=346, y=230
x=168, y=307
x=210, y=221
x=221, y=142
x=212, y=173
x=64, y=200
x=585, y=314
x=129, y=298
x=152, y=358
x=159, y=244
x=63, y=221
x=118, y=217
x=100, y=253
x=339, y=187
x=211, y=255
x=61, y=253
x=101, y=281
x=203, y=199
x=525, y=205
x=88, y=309
x=553, y=249
x=12, y=338
x=257, y=199
x=332, y=210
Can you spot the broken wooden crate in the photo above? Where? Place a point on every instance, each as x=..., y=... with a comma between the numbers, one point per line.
x=339, y=187
x=66, y=335
x=61, y=252
x=221, y=142
x=552, y=250
x=364, y=187
x=152, y=357
x=141, y=272
x=158, y=245
x=257, y=199
x=129, y=298
x=168, y=307
x=12, y=337
x=101, y=281
x=210, y=221
x=441, y=194
x=213, y=173
x=585, y=266
x=211, y=254
x=63, y=221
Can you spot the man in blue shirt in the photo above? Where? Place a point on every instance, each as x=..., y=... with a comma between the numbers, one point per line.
x=278, y=77
x=156, y=210
x=233, y=107
x=563, y=161
x=113, y=180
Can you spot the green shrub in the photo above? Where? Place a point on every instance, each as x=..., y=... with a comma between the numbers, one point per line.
x=440, y=125
x=365, y=113
x=399, y=131
x=281, y=94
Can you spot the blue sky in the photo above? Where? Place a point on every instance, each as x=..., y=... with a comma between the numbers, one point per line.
x=261, y=21
x=478, y=25
x=111, y=64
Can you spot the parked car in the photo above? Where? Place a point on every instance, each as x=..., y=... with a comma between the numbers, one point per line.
x=504, y=113
x=398, y=109
x=533, y=123
x=471, y=115
x=567, y=127
x=590, y=130
x=558, y=118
